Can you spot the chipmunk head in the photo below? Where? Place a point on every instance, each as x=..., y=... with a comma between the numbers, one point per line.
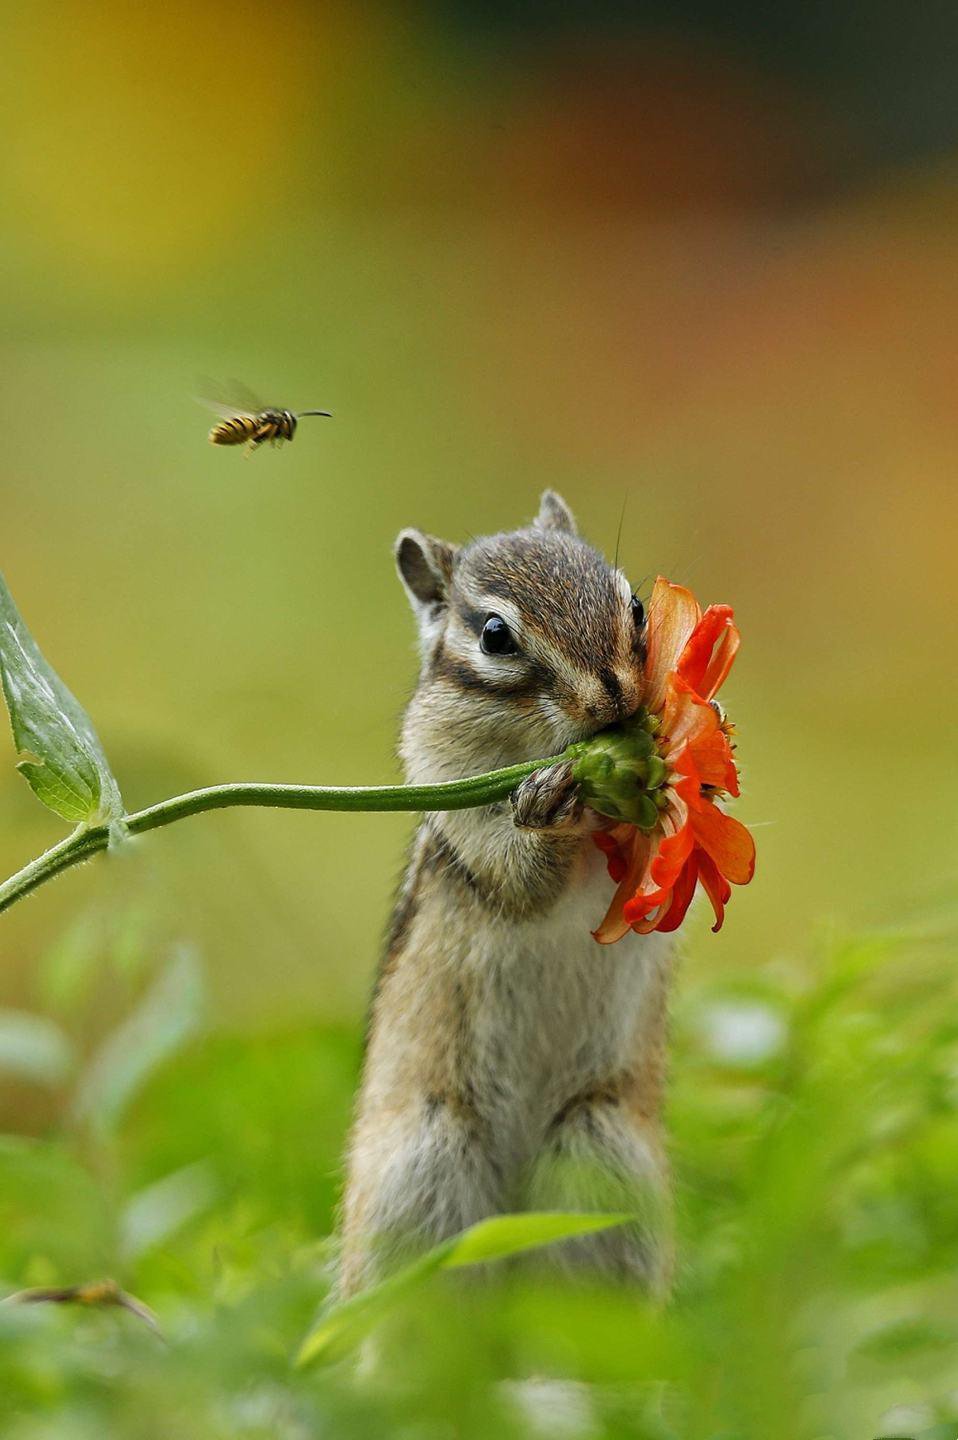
x=529, y=640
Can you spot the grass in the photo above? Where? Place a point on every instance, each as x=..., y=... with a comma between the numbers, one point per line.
x=815, y=1140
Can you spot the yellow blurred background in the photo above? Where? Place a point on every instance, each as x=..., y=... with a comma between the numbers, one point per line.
x=659, y=256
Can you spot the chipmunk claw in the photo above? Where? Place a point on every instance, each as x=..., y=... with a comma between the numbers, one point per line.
x=548, y=799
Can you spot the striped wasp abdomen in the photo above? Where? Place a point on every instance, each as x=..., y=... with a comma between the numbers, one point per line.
x=249, y=423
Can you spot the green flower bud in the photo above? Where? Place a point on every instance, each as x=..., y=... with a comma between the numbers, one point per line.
x=657, y=772
x=646, y=813
x=618, y=768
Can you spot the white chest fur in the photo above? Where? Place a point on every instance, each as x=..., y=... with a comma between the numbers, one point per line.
x=555, y=1012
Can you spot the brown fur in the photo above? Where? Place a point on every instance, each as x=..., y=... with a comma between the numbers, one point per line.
x=511, y=1061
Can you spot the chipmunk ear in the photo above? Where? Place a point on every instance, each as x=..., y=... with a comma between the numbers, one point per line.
x=425, y=567
x=554, y=514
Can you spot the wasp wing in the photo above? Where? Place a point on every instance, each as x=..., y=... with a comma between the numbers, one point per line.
x=225, y=412
x=229, y=401
x=243, y=396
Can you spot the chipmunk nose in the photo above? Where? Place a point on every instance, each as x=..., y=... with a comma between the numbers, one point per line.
x=615, y=697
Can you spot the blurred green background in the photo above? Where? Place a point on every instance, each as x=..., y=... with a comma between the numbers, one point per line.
x=696, y=260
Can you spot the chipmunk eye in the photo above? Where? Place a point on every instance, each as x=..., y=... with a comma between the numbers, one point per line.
x=638, y=612
x=496, y=637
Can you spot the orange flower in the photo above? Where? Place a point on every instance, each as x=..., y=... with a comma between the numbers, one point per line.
x=693, y=842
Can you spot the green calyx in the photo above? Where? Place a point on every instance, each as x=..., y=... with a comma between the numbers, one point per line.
x=621, y=773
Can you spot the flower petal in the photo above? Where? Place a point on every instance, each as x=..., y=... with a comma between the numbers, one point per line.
x=636, y=848
x=715, y=886
x=667, y=856
x=696, y=745
x=616, y=846
x=673, y=615
x=681, y=895
x=685, y=786
x=709, y=651
x=714, y=762
x=684, y=713
x=721, y=662
x=613, y=926
x=726, y=840
x=671, y=855
x=651, y=921
x=636, y=911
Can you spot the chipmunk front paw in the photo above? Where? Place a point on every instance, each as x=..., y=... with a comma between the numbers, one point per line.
x=548, y=799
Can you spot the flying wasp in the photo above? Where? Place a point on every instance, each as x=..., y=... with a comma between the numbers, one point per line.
x=251, y=424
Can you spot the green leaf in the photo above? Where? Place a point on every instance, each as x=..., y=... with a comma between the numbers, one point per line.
x=153, y=1214
x=346, y=1324
x=170, y=1014
x=66, y=765
x=34, y=1048
x=504, y=1235
x=489, y=1240
x=909, y=1337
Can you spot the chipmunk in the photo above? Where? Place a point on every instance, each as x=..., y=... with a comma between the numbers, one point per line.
x=512, y=1062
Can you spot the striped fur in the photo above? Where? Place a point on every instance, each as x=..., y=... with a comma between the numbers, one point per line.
x=511, y=1062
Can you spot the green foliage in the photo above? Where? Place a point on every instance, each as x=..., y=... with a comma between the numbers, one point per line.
x=814, y=1122
x=34, y=1048
x=168, y=1015
x=495, y=1239
x=67, y=768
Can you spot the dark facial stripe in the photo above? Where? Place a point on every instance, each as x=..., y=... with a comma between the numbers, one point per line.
x=471, y=618
x=457, y=672
x=558, y=584
x=613, y=688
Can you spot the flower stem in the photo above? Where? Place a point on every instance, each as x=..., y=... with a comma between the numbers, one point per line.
x=465, y=794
